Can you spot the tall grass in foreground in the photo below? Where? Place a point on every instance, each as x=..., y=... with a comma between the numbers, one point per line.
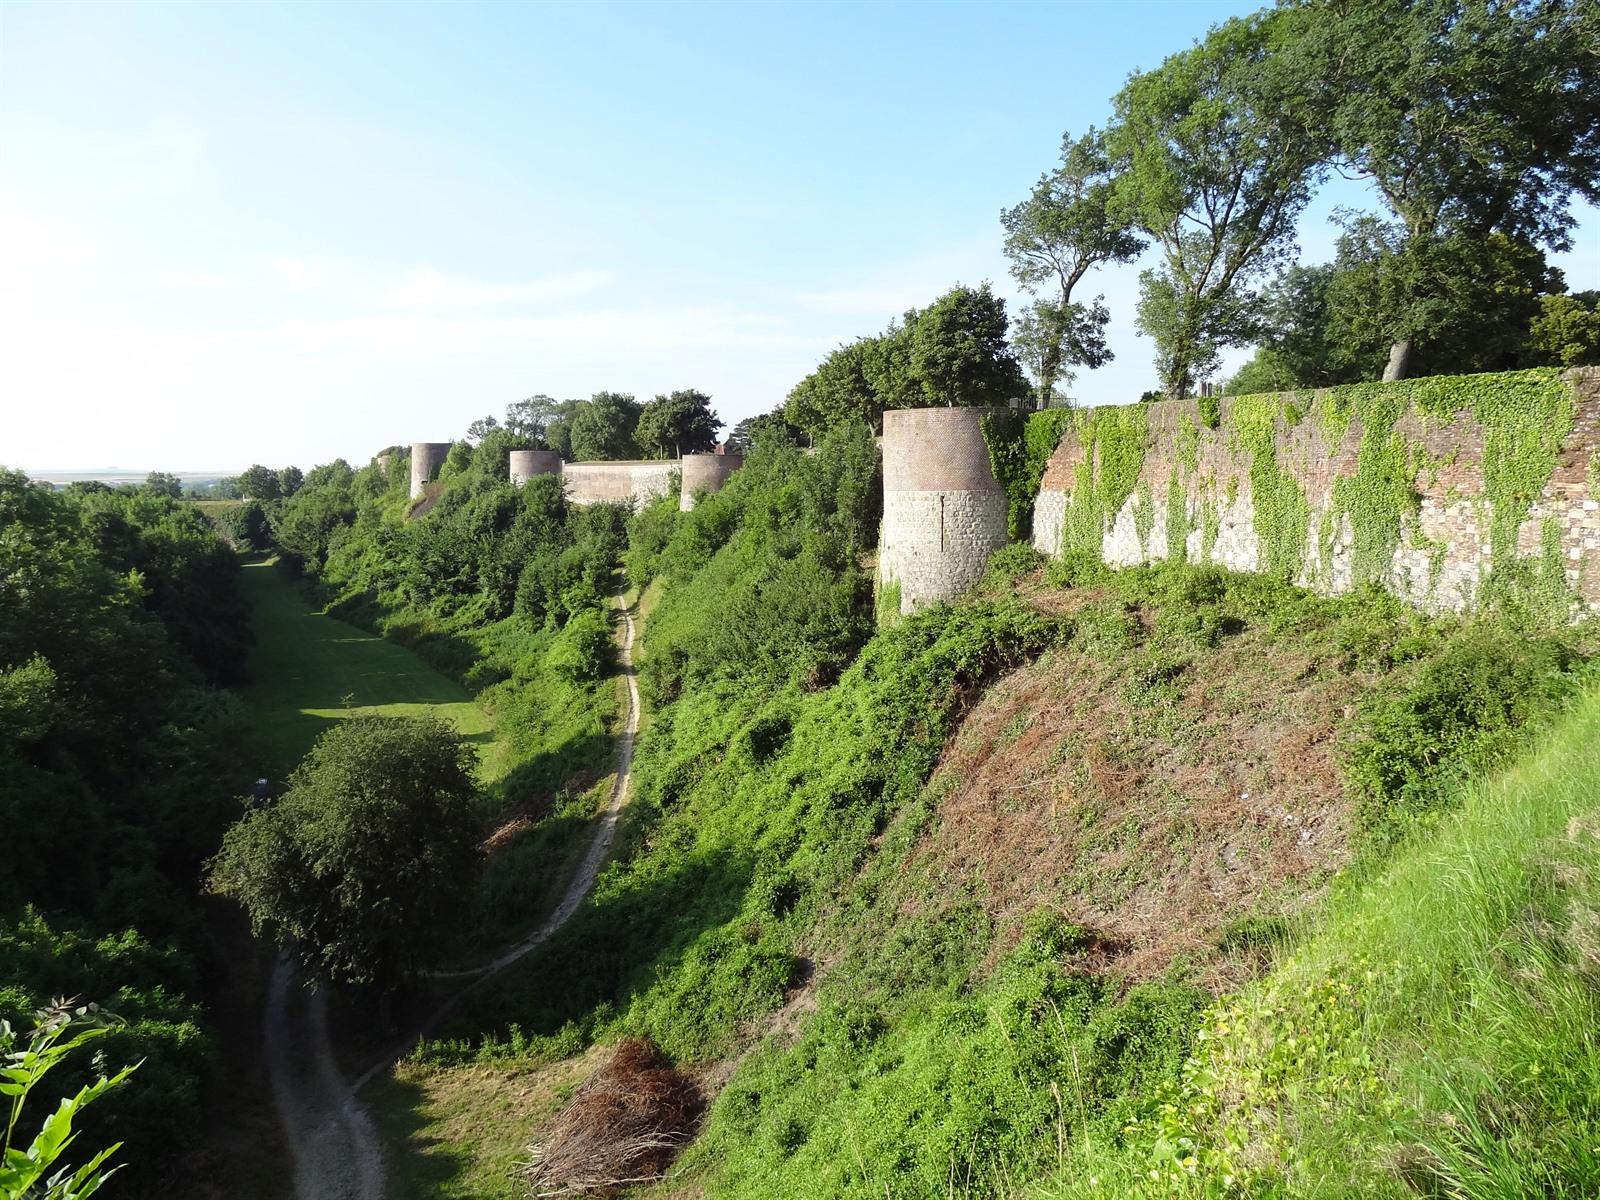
x=1437, y=1035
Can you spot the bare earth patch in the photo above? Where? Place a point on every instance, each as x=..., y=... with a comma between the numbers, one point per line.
x=1154, y=816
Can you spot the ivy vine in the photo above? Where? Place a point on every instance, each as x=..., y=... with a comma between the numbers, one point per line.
x=1019, y=450
x=1113, y=442
x=1279, y=510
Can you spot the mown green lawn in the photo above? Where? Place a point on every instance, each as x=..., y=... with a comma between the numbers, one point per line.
x=308, y=669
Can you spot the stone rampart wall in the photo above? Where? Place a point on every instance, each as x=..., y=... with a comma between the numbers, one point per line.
x=426, y=459
x=944, y=512
x=705, y=473
x=593, y=482
x=1425, y=488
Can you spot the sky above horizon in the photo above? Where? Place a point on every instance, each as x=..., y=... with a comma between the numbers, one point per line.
x=288, y=233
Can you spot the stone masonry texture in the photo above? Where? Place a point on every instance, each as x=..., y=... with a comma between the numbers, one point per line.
x=637, y=482
x=943, y=511
x=426, y=459
x=525, y=464
x=705, y=473
x=1443, y=556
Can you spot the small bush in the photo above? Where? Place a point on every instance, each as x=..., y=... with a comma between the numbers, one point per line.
x=1463, y=711
x=584, y=650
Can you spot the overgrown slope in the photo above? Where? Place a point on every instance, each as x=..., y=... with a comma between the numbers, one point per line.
x=1435, y=1034
x=951, y=922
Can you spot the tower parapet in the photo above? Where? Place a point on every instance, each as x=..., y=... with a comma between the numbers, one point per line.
x=705, y=473
x=426, y=459
x=944, y=512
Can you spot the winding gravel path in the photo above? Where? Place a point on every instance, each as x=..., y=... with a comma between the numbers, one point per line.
x=337, y=1155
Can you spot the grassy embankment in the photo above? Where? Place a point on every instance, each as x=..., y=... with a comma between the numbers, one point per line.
x=308, y=669
x=953, y=922
x=1435, y=1034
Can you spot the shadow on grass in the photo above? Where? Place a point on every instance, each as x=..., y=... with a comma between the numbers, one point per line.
x=421, y=1163
x=632, y=932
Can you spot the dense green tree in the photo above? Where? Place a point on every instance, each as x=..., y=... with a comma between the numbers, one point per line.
x=528, y=417
x=1064, y=229
x=1304, y=342
x=959, y=351
x=259, y=483
x=602, y=429
x=117, y=771
x=305, y=525
x=163, y=484
x=1469, y=118
x=481, y=428
x=1566, y=331
x=677, y=423
x=1464, y=303
x=952, y=352
x=360, y=868
x=1209, y=168
x=838, y=392
x=773, y=428
x=558, y=427
x=289, y=481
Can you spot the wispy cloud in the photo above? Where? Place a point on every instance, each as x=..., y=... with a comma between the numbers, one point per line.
x=163, y=160
x=866, y=302
x=197, y=281
x=429, y=290
x=308, y=274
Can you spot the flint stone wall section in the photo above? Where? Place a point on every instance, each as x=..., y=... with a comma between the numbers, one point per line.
x=944, y=512
x=636, y=482
x=426, y=459
x=705, y=473
x=1453, y=512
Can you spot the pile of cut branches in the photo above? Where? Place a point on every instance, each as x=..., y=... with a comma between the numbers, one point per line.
x=623, y=1126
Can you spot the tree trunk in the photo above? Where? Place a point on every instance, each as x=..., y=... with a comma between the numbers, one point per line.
x=1399, y=360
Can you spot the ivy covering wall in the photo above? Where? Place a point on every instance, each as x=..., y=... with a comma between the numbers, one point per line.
x=1332, y=483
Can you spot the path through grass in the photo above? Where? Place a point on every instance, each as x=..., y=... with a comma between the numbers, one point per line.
x=308, y=669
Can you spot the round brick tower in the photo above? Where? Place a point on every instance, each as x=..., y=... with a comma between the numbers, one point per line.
x=525, y=464
x=944, y=512
x=705, y=473
x=426, y=459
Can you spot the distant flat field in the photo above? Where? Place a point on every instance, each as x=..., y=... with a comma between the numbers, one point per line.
x=308, y=669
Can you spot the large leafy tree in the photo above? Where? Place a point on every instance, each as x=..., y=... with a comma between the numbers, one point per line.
x=1466, y=301
x=765, y=429
x=530, y=418
x=1566, y=331
x=678, y=423
x=602, y=428
x=1468, y=117
x=959, y=351
x=1207, y=166
x=259, y=483
x=558, y=426
x=838, y=392
x=360, y=868
x=1064, y=229
x=953, y=352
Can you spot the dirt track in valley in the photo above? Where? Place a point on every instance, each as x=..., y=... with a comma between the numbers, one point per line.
x=337, y=1155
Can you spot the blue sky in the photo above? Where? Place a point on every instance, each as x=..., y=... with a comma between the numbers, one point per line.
x=284, y=233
